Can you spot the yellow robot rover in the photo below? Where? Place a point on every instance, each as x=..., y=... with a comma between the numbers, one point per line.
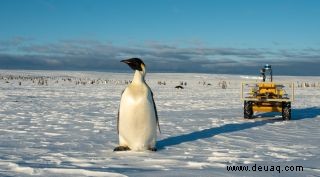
x=267, y=96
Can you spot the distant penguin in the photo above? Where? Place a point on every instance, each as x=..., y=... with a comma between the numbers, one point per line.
x=179, y=87
x=137, y=117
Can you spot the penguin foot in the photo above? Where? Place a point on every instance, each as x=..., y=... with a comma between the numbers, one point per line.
x=121, y=148
x=152, y=149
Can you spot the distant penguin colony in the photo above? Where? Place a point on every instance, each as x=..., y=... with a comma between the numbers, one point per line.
x=36, y=80
x=137, y=117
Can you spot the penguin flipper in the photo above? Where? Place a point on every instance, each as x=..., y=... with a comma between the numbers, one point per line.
x=118, y=115
x=155, y=110
x=118, y=120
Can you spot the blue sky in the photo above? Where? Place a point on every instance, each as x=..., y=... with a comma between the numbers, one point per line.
x=212, y=36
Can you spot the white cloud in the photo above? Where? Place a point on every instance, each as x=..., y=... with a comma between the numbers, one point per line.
x=92, y=55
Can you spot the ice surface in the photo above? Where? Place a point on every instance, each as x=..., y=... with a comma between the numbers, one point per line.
x=63, y=124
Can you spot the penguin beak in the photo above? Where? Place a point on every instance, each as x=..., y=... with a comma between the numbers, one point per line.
x=125, y=61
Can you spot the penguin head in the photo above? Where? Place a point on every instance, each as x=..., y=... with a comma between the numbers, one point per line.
x=135, y=64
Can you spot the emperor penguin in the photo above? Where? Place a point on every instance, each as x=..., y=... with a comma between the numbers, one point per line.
x=137, y=116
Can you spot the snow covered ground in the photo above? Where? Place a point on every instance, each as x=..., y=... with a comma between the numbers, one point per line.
x=64, y=124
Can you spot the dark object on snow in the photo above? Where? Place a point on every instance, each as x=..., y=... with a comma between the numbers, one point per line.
x=179, y=87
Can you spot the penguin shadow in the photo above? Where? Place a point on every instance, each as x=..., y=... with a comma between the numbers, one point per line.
x=297, y=114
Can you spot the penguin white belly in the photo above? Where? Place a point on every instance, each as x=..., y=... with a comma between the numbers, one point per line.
x=137, y=121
